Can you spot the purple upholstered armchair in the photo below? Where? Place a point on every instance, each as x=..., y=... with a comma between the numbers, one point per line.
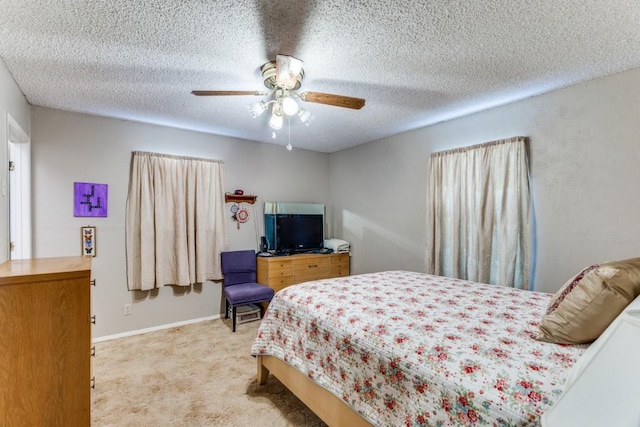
x=240, y=287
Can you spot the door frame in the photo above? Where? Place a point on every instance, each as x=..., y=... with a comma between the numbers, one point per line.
x=19, y=153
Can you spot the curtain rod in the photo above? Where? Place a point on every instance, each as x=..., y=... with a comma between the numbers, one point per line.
x=484, y=144
x=171, y=156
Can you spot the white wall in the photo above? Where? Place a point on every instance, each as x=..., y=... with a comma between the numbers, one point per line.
x=69, y=147
x=13, y=103
x=585, y=164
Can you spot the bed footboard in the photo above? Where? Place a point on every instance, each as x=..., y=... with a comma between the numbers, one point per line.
x=325, y=405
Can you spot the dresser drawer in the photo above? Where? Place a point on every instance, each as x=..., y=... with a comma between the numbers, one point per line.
x=280, y=269
x=339, y=265
x=273, y=267
x=340, y=269
x=310, y=269
x=278, y=283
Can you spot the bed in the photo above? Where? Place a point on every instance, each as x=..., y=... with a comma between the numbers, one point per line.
x=401, y=348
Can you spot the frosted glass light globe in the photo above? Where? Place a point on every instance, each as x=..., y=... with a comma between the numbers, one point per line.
x=289, y=106
x=276, y=121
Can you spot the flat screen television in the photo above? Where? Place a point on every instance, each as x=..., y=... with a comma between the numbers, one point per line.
x=294, y=227
x=299, y=232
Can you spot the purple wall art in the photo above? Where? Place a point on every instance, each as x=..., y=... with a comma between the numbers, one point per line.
x=89, y=199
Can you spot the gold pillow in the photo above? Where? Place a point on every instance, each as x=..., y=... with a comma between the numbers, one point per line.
x=583, y=308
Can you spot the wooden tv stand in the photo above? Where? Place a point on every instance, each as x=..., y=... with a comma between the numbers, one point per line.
x=278, y=272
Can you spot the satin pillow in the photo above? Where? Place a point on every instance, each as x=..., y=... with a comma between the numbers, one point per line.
x=583, y=308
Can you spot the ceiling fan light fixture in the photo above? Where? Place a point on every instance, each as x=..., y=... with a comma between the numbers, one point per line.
x=257, y=108
x=288, y=71
x=290, y=106
x=275, y=122
x=305, y=116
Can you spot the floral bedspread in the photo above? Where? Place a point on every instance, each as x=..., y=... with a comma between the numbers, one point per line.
x=411, y=349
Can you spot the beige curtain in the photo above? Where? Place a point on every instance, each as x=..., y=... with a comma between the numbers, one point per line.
x=479, y=215
x=175, y=226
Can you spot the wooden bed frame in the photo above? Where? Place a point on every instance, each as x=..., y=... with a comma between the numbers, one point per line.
x=325, y=405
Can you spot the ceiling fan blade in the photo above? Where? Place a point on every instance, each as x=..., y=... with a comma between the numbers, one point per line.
x=288, y=70
x=330, y=99
x=227, y=92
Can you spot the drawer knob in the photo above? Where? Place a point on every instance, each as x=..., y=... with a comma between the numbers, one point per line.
x=313, y=265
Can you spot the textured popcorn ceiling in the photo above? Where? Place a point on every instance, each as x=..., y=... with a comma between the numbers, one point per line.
x=415, y=62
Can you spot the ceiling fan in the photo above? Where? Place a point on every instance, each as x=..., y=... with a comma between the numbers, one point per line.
x=283, y=77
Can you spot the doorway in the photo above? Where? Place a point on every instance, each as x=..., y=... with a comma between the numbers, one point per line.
x=19, y=188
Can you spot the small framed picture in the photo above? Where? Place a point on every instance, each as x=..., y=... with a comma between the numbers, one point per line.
x=88, y=239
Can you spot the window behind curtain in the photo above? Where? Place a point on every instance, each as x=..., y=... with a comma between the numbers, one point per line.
x=479, y=215
x=175, y=227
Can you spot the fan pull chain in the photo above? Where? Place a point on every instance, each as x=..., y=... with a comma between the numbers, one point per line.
x=289, y=147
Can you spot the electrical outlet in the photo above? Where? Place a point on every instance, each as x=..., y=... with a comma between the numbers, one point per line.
x=127, y=309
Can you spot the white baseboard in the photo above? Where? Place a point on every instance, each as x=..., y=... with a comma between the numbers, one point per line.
x=154, y=328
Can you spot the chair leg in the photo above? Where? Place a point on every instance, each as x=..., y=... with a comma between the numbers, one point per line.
x=226, y=308
x=233, y=315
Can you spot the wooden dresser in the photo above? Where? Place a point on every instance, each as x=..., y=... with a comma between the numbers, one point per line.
x=281, y=271
x=45, y=342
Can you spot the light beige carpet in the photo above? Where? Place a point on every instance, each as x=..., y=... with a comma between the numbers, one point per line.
x=195, y=375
